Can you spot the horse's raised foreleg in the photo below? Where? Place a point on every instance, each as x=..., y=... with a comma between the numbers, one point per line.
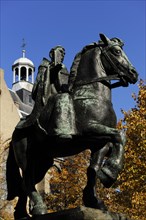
x=114, y=163
x=89, y=193
x=107, y=172
x=96, y=129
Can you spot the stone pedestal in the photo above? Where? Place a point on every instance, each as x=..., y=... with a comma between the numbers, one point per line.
x=81, y=213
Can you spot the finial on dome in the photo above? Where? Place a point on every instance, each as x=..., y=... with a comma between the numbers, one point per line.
x=23, y=53
x=23, y=47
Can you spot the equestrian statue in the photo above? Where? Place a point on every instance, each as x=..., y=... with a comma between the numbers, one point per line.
x=72, y=112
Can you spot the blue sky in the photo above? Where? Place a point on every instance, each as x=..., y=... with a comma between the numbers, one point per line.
x=73, y=24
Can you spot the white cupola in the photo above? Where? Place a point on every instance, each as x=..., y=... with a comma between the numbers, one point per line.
x=23, y=79
x=23, y=73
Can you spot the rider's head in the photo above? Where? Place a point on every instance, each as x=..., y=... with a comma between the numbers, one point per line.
x=57, y=53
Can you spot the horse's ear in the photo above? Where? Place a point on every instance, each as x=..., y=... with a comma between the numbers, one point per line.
x=105, y=39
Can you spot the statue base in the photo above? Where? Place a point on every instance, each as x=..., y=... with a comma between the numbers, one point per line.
x=81, y=213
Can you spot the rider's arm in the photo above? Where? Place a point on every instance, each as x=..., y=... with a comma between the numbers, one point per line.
x=40, y=76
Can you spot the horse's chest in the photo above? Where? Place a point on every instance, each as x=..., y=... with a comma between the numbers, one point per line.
x=92, y=95
x=93, y=108
x=93, y=105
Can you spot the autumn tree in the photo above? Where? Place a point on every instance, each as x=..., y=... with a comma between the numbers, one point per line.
x=128, y=195
x=68, y=182
x=133, y=177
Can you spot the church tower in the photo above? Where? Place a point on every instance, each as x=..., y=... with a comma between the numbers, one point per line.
x=23, y=78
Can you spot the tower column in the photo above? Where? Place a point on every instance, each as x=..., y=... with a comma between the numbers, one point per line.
x=14, y=76
x=19, y=74
x=27, y=76
x=32, y=79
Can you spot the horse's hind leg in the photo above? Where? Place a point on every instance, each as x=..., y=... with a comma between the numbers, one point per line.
x=14, y=181
x=24, y=160
x=19, y=150
x=89, y=193
x=36, y=204
x=20, y=209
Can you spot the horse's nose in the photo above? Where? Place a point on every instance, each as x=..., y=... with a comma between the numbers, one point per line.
x=133, y=74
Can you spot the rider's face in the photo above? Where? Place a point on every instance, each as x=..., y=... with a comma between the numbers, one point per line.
x=59, y=55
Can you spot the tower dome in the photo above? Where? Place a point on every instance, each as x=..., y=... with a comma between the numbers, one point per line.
x=23, y=79
x=23, y=60
x=23, y=73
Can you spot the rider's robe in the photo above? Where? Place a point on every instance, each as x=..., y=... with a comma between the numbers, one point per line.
x=52, y=101
x=58, y=116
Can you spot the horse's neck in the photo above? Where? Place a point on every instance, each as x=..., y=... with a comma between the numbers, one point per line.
x=90, y=70
x=90, y=67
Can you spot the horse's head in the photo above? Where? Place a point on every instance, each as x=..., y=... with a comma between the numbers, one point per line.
x=115, y=60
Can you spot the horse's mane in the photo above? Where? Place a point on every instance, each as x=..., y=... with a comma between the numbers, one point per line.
x=76, y=61
x=89, y=47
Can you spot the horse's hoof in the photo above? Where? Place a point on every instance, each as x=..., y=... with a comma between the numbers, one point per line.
x=36, y=205
x=95, y=204
x=90, y=200
x=118, y=216
x=23, y=218
x=20, y=216
x=38, y=210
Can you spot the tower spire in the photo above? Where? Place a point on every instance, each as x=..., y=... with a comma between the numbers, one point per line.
x=23, y=47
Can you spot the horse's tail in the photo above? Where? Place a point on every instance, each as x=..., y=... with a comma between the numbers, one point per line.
x=13, y=178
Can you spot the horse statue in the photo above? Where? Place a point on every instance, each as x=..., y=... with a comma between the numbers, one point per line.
x=87, y=110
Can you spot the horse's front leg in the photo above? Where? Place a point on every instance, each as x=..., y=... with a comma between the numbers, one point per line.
x=114, y=163
x=89, y=193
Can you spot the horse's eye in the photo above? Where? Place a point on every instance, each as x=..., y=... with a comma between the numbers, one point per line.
x=118, y=52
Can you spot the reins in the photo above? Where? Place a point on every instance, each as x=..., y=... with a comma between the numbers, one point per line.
x=105, y=79
x=101, y=79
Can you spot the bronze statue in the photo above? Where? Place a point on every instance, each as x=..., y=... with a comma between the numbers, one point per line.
x=84, y=114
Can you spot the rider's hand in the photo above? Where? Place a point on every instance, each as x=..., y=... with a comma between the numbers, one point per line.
x=58, y=66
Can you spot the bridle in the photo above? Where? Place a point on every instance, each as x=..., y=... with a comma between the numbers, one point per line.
x=110, y=61
x=119, y=74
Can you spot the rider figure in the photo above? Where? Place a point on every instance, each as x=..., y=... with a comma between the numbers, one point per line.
x=51, y=79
